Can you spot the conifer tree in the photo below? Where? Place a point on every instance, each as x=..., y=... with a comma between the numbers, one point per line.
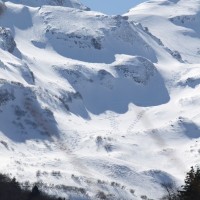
x=191, y=189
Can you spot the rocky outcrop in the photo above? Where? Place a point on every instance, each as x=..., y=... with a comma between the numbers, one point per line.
x=7, y=42
x=138, y=69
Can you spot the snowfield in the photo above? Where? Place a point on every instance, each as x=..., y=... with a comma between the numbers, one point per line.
x=103, y=107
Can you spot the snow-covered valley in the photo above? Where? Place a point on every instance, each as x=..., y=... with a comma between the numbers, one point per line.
x=96, y=104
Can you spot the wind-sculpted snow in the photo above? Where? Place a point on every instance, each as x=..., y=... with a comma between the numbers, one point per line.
x=103, y=90
x=80, y=36
x=188, y=21
x=161, y=177
x=174, y=54
x=21, y=112
x=179, y=20
x=98, y=106
x=39, y=3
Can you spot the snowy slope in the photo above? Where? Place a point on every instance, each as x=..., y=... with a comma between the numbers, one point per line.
x=39, y=3
x=174, y=22
x=95, y=104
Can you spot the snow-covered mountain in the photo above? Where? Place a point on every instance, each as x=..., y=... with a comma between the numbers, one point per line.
x=39, y=3
x=100, y=106
x=174, y=22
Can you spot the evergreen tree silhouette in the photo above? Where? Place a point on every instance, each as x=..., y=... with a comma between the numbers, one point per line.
x=191, y=189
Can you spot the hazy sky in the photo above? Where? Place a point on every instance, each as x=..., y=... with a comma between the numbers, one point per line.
x=111, y=6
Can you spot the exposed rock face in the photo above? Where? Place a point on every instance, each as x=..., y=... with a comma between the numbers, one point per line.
x=7, y=42
x=138, y=69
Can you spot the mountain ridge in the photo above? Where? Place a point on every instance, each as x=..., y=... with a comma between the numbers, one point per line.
x=104, y=103
x=39, y=3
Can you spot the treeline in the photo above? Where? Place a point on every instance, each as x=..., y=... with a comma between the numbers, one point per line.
x=10, y=189
x=190, y=190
